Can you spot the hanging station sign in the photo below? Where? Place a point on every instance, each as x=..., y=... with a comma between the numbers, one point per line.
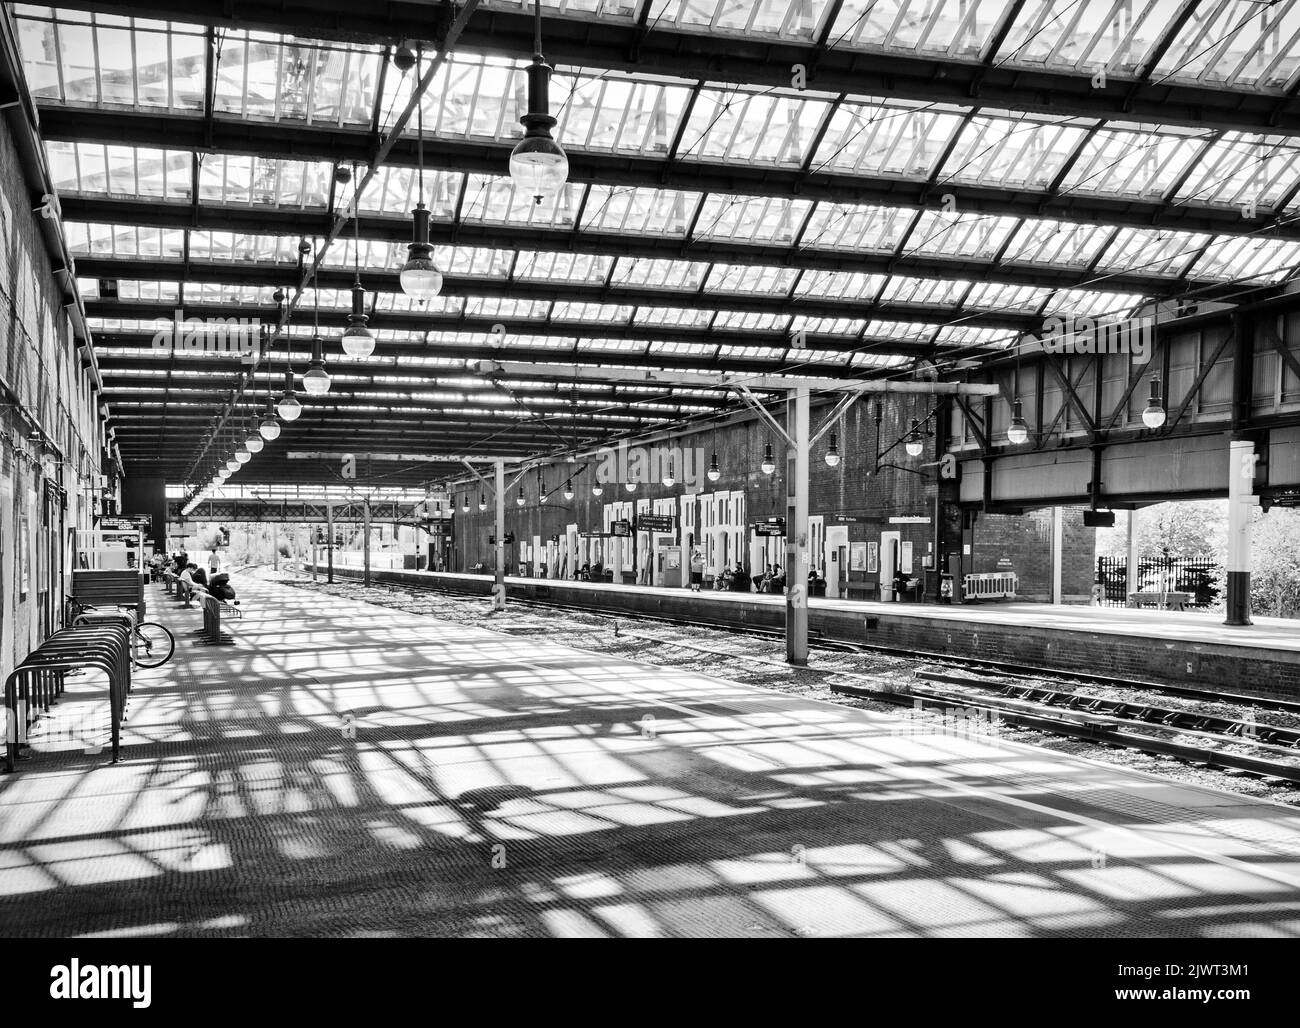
x=621, y=528
x=769, y=526
x=655, y=522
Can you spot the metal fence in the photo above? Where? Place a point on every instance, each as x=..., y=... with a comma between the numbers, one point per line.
x=1200, y=577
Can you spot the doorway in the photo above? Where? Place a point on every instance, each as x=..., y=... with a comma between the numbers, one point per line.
x=889, y=547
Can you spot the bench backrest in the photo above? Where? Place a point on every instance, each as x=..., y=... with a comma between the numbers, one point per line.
x=108, y=588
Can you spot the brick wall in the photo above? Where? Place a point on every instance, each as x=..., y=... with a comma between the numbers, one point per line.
x=41, y=496
x=867, y=498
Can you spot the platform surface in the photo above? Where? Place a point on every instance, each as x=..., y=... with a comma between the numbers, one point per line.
x=347, y=769
x=1271, y=634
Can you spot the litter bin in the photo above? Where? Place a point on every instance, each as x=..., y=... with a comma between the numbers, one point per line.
x=945, y=589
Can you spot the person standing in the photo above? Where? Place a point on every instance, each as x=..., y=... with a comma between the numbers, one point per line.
x=214, y=562
x=697, y=568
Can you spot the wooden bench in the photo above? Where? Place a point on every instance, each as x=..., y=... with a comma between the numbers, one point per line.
x=1160, y=601
x=109, y=589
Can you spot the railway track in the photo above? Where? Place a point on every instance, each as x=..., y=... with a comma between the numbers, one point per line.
x=1023, y=697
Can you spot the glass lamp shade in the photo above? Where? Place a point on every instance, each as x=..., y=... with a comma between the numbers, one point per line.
x=520, y=498
x=630, y=487
x=232, y=465
x=464, y=506
x=420, y=278
x=768, y=465
x=358, y=341
x=316, y=380
x=714, y=471
x=833, y=453
x=243, y=456
x=597, y=489
x=1153, y=415
x=914, y=444
x=269, y=428
x=568, y=490
x=538, y=166
x=1018, y=430
x=254, y=443
x=289, y=407
x=482, y=501
x=668, y=479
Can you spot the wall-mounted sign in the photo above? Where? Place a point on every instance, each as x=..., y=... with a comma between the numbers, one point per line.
x=910, y=519
x=847, y=519
x=126, y=523
x=857, y=556
x=655, y=522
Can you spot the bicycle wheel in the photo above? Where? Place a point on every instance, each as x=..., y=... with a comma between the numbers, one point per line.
x=153, y=645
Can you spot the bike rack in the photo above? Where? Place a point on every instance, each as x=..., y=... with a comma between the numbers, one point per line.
x=39, y=679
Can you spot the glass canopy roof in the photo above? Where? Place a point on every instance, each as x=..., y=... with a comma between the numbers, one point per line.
x=706, y=222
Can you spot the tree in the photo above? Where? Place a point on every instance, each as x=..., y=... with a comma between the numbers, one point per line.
x=1275, y=558
x=1195, y=529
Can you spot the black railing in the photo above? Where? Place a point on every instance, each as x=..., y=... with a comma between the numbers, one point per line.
x=1198, y=576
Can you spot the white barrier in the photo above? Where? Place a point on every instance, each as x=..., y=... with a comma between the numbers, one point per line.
x=990, y=586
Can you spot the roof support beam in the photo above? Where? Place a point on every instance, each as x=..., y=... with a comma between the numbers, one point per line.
x=760, y=61
x=303, y=142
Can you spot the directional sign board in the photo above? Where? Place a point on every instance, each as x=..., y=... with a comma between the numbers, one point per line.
x=622, y=528
x=655, y=522
x=126, y=523
x=770, y=526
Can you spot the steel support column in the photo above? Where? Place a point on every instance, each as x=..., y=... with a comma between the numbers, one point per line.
x=796, y=532
x=365, y=544
x=499, y=587
x=329, y=541
x=1241, y=503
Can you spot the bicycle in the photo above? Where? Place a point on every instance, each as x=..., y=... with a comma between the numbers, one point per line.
x=152, y=644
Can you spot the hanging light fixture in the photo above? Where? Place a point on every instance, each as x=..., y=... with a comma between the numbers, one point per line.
x=914, y=444
x=541, y=488
x=520, y=498
x=253, y=442
x=568, y=489
x=769, y=464
x=597, y=489
x=464, y=503
x=630, y=486
x=243, y=456
x=420, y=278
x=538, y=164
x=714, y=471
x=1153, y=415
x=316, y=380
x=668, y=477
x=1018, y=430
x=269, y=428
x=833, y=453
x=358, y=340
x=289, y=406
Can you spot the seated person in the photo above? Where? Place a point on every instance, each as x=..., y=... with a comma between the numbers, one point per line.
x=724, y=579
x=198, y=575
x=777, y=584
x=740, y=580
x=220, y=587
x=584, y=573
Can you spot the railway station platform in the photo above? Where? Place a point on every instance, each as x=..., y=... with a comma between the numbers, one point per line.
x=344, y=769
x=1170, y=647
